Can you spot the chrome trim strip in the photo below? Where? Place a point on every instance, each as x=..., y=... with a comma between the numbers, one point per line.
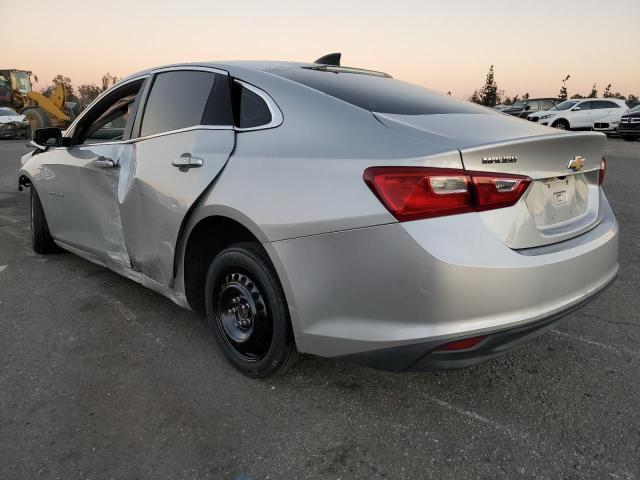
x=197, y=68
x=276, y=114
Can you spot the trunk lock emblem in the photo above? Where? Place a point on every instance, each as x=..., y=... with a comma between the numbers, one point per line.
x=576, y=164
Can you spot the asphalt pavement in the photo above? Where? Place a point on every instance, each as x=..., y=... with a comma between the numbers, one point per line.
x=101, y=378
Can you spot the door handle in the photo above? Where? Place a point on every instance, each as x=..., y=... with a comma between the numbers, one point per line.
x=104, y=162
x=185, y=161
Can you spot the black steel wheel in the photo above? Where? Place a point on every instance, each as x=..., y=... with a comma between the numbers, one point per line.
x=242, y=316
x=247, y=311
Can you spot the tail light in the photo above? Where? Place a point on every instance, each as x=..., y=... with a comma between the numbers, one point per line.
x=601, y=172
x=412, y=193
x=463, y=344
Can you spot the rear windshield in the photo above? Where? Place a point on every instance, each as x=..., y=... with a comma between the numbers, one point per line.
x=377, y=93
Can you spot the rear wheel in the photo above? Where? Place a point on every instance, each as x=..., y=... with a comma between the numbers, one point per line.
x=561, y=125
x=248, y=313
x=37, y=117
x=40, y=236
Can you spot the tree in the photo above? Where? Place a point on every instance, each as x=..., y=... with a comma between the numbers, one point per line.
x=108, y=80
x=563, y=89
x=475, y=97
x=607, y=92
x=489, y=93
x=507, y=101
x=449, y=93
x=594, y=92
x=87, y=94
x=632, y=98
x=576, y=96
x=525, y=96
x=68, y=87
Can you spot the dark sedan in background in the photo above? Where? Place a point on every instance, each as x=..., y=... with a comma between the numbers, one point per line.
x=523, y=108
x=629, y=126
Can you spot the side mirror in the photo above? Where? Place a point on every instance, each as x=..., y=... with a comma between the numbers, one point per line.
x=527, y=108
x=48, y=137
x=576, y=109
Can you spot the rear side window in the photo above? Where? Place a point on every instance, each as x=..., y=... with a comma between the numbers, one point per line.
x=608, y=104
x=250, y=109
x=177, y=100
x=584, y=105
x=377, y=93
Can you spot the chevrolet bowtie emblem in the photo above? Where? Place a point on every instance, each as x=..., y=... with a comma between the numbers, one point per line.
x=576, y=164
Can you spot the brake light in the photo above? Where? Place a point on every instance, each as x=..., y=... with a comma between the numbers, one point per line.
x=601, y=172
x=412, y=193
x=460, y=344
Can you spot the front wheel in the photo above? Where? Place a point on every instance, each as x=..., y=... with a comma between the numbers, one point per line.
x=41, y=239
x=561, y=125
x=247, y=311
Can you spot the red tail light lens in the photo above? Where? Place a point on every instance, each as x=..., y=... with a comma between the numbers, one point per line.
x=603, y=169
x=412, y=193
x=460, y=344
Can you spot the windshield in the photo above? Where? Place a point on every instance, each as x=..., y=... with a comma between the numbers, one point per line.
x=635, y=109
x=564, y=105
x=7, y=111
x=519, y=104
x=20, y=81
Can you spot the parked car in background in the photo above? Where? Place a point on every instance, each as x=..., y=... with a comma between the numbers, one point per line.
x=522, y=108
x=329, y=210
x=12, y=124
x=629, y=126
x=580, y=114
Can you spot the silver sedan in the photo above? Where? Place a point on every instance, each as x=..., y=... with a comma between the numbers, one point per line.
x=310, y=207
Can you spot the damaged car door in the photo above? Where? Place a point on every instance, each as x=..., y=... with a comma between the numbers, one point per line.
x=78, y=184
x=183, y=137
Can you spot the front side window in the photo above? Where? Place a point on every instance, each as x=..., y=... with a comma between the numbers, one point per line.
x=107, y=121
x=584, y=105
x=532, y=106
x=177, y=100
x=20, y=81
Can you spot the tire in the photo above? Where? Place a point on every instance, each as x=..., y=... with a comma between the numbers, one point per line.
x=37, y=117
x=242, y=287
x=40, y=237
x=561, y=125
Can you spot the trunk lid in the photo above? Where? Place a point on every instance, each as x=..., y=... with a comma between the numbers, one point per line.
x=561, y=202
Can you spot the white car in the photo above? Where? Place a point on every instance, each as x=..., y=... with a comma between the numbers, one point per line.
x=581, y=114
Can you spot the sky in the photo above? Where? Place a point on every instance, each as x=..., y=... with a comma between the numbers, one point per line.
x=445, y=45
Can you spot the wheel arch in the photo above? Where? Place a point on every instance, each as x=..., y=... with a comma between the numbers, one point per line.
x=207, y=235
x=558, y=120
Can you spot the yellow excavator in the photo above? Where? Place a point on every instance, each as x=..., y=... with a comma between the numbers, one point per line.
x=16, y=92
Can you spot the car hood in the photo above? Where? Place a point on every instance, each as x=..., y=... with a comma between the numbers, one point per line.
x=461, y=130
x=543, y=112
x=12, y=118
x=631, y=115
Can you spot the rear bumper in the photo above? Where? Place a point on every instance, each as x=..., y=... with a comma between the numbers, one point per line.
x=417, y=285
x=424, y=357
